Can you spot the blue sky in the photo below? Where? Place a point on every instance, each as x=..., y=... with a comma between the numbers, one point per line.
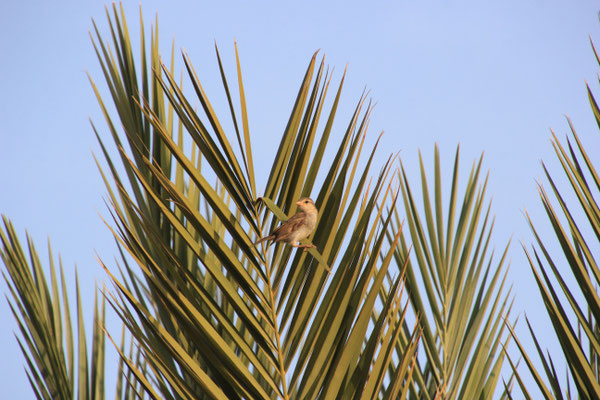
x=492, y=76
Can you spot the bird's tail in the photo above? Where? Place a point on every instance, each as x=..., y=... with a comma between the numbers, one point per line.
x=270, y=237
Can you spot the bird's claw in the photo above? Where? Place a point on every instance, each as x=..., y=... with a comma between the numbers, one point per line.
x=309, y=246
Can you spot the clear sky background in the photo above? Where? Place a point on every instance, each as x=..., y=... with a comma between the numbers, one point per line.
x=492, y=76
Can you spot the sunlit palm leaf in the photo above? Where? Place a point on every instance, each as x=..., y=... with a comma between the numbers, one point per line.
x=57, y=361
x=214, y=316
x=576, y=226
x=455, y=287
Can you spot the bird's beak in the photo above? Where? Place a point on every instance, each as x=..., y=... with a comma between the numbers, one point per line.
x=298, y=203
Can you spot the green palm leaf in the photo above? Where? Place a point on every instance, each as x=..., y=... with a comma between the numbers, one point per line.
x=570, y=280
x=57, y=360
x=455, y=287
x=213, y=315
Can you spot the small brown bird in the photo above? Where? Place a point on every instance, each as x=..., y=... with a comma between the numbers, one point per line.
x=297, y=227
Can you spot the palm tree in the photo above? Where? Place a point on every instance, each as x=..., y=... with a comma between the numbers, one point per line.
x=207, y=314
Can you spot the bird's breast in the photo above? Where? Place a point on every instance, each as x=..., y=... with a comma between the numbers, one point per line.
x=311, y=221
x=305, y=230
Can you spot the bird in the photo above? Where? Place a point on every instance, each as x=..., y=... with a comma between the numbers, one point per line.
x=296, y=228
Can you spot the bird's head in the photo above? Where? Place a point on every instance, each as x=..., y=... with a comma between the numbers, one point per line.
x=306, y=204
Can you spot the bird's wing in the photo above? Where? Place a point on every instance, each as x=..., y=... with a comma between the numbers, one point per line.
x=289, y=226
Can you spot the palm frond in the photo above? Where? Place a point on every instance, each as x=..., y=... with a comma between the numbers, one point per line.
x=455, y=287
x=576, y=227
x=213, y=315
x=56, y=356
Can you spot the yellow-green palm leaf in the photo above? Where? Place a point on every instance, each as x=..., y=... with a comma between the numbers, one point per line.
x=57, y=357
x=568, y=283
x=214, y=315
x=455, y=284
